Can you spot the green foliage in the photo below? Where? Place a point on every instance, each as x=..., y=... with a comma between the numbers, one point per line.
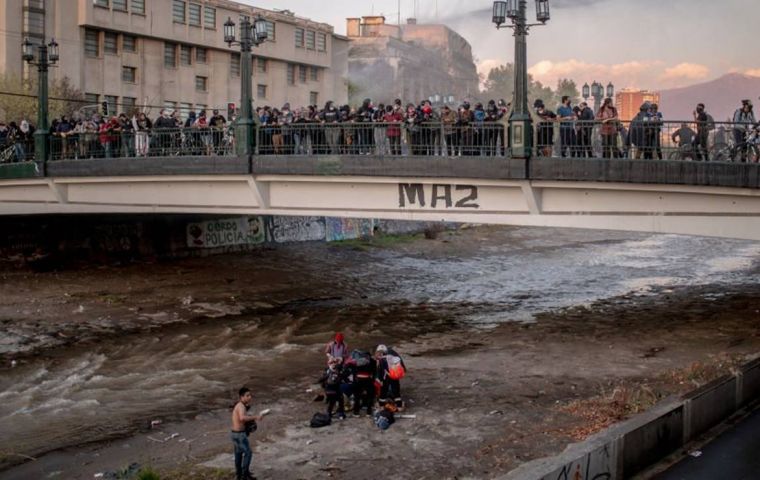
x=567, y=87
x=15, y=107
x=148, y=473
x=500, y=84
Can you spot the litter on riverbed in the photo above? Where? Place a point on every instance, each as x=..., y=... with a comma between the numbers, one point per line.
x=696, y=453
x=155, y=423
x=265, y=412
x=410, y=417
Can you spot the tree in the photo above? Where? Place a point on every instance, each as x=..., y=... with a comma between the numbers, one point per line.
x=500, y=84
x=18, y=98
x=567, y=87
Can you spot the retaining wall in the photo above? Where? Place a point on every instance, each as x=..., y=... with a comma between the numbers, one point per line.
x=626, y=449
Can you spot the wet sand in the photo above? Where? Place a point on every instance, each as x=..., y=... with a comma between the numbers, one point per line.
x=486, y=398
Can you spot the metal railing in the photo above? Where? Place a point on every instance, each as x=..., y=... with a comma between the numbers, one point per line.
x=655, y=140
x=652, y=139
x=382, y=139
x=149, y=143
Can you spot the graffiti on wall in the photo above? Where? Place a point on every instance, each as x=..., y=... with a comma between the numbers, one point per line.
x=295, y=229
x=437, y=196
x=226, y=232
x=338, y=229
x=596, y=465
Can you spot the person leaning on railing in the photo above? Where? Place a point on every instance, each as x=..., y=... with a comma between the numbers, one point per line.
x=393, y=118
x=608, y=116
x=744, y=120
x=704, y=126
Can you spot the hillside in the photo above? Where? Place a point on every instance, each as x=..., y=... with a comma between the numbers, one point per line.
x=721, y=96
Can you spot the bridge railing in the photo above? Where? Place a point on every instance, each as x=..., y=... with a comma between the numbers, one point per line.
x=383, y=139
x=650, y=139
x=152, y=143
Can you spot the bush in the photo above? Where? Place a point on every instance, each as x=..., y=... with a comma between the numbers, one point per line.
x=148, y=474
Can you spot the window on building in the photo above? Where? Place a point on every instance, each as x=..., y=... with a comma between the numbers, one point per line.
x=302, y=73
x=91, y=98
x=184, y=110
x=313, y=98
x=120, y=5
x=201, y=84
x=129, y=43
x=111, y=101
x=110, y=42
x=129, y=74
x=261, y=91
x=299, y=37
x=201, y=55
x=34, y=25
x=291, y=74
x=270, y=31
x=128, y=104
x=310, y=39
x=170, y=55
x=235, y=64
x=38, y=4
x=138, y=7
x=314, y=74
x=178, y=11
x=209, y=17
x=261, y=65
x=322, y=42
x=185, y=55
x=91, y=43
x=194, y=14
x=101, y=3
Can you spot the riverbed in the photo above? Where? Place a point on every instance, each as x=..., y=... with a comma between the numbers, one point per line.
x=92, y=355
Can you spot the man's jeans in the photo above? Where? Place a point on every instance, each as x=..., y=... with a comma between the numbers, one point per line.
x=243, y=454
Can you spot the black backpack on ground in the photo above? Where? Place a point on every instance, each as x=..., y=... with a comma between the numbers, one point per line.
x=320, y=420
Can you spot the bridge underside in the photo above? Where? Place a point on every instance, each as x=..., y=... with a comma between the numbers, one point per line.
x=714, y=211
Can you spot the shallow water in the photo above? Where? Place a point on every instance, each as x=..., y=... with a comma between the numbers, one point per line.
x=113, y=387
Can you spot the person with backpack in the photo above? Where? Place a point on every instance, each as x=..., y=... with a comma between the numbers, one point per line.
x=744, y=120
x=362, y=368
x=337, y=348
x=704, y=124
x=390, y=371
x=331, y=382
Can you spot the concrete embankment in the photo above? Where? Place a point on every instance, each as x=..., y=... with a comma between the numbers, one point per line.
x=632, y=446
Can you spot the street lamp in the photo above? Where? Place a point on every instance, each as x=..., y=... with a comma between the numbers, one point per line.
x=520, y=121
x=47, y=56
x=586, y=91
x=610, y=90
x=251, y=35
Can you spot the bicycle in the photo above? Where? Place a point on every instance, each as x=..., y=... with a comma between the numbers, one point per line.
x=746, y=151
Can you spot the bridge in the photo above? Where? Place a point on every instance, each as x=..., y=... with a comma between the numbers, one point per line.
x=718, y=199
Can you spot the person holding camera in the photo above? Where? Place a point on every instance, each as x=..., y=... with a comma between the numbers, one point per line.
x=243, y=424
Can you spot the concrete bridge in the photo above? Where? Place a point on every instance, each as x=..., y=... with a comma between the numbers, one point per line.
x=681, y=197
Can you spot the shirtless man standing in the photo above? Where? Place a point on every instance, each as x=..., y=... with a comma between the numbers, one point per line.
x=239, y=435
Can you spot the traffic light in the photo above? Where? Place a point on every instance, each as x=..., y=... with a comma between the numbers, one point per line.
x=105, y=108
x=230, y=110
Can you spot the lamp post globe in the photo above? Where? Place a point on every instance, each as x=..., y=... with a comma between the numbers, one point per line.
x=53, y=51
x=261, y=28
x=499, y=13
x=542, y=11
x=586, y=91
x=229, y=32
x=610, y=90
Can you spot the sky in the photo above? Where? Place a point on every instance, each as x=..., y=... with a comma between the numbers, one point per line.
x=649, y=44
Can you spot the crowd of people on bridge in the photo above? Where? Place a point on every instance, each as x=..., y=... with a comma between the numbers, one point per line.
x=392, y=129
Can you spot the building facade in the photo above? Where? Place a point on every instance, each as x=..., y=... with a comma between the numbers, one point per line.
x=628, y=102
x=411, y=62
x=171, y=53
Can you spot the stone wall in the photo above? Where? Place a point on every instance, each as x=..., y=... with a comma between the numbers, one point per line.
x=63, y=239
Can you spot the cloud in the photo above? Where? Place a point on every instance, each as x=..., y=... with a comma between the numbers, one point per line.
x=627, y=74
x=753, y=72
x=687, y=71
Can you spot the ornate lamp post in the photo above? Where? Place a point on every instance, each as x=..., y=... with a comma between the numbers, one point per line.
x=251, y=34
x=597, y=92
x=520, y=121
x=47, y=55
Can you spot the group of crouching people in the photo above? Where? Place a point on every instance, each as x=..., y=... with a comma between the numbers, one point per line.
x=362, y=377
